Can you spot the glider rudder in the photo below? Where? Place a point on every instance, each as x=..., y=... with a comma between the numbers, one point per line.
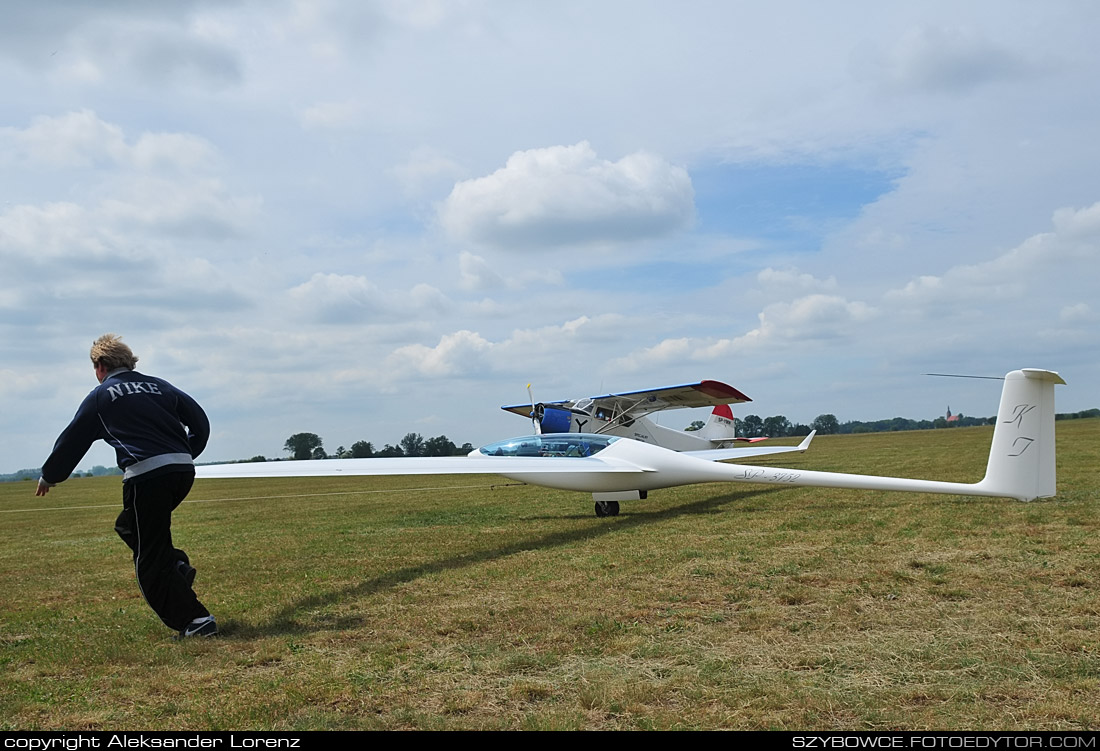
x=1021, y=457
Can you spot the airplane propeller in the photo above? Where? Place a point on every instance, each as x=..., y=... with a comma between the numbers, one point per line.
x=536, y=418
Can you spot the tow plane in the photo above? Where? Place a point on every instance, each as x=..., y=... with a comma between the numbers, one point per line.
x=625, y=415
x=1021, y=460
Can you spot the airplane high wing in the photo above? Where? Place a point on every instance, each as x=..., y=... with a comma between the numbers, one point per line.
x=1021, y=460
x=634, y=403
x=625, y=415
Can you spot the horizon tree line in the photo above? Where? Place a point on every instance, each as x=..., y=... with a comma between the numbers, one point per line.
x=311, y=446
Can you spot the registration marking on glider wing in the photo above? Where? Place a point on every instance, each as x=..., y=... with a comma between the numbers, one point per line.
x=1021, y=460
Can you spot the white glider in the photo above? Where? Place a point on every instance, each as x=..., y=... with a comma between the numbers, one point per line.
x=1021, y=460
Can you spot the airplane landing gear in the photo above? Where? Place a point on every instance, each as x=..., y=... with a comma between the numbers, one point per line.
x=607, y=508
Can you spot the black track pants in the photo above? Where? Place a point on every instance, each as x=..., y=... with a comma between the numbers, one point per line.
x=145, y=525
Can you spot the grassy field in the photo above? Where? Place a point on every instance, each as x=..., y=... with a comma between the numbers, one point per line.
x=447, y=603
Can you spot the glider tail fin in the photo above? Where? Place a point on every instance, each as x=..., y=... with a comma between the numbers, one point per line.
x=720, y=425
x=1021, y=458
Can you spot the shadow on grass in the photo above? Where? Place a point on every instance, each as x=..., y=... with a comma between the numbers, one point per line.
x=285, y=621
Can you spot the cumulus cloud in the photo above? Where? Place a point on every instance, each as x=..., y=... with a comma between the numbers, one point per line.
x=814, y=317
x=136, y=212
x=555, y=341
x=133, y=229
x=76, y=139
x=477, y=274
x=424, y=170
x=61, y=231
x=462, y=353
x=524, y=351
x=808, y=320
x=1075, y=240
x=346, y=298
x=565, y=195
x=192, y=209
x=89, y=259
x=80, y=139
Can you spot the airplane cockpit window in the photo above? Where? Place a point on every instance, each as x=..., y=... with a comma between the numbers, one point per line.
x=551, y=444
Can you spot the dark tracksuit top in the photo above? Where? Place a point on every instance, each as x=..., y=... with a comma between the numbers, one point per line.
x=142, y=418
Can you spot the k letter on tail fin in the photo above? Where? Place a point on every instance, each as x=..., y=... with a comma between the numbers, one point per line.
x=1021, y=459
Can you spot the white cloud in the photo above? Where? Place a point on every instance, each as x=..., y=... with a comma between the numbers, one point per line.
x=1078, y=224
x=565, y=195
x=81, y=140
x=76, y=139
x=1079, y=313
x=806, y=323
x=809, y=321
x=784, y=280
x=347, y=298
x=424, y=170
x=198, y=208
x=477, y=274
x=460, y=354
x=151, y=43
x=350, y=113
x=523, y=352
x=178, y=151
x=955, y=59
x=1075, y=239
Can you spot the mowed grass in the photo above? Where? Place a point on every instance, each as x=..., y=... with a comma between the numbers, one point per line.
x=445, y=603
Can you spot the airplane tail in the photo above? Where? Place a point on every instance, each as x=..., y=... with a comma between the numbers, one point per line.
x=1021, y=458
x=720, y=426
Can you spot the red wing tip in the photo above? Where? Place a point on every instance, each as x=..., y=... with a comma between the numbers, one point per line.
x=719, y=390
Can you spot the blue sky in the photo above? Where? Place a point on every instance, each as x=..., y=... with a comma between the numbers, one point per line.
x=364, y=219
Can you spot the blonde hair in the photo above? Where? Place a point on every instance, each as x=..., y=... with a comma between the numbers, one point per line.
x=109, y=351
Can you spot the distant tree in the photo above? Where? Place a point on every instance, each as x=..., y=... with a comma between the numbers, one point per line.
x=341, y=453
x=825, y=424
x=389, y=451
x=752, y=426
x=464, y=448
x=695, y=425
x=303, y=445
x=258, y=458
x=362, y=450
x=777, y=426
x=438, y=446
x=318, y=453
x=413, y=444
x=1085, y=413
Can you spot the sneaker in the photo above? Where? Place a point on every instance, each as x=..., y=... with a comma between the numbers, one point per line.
x=204, y=626
x=187, y=571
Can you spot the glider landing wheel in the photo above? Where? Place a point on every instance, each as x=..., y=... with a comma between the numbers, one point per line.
x=607, y=508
